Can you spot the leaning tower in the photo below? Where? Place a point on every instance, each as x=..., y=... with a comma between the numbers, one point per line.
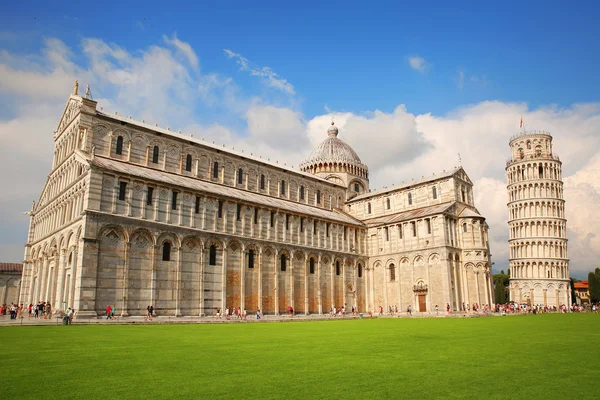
x=539, y=267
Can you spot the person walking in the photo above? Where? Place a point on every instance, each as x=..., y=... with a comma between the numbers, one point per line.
x=108, y=309
x=112, y=311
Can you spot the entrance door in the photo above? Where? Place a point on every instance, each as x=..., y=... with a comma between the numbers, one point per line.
x=422, y=303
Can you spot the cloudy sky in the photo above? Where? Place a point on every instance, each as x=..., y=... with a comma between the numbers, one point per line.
x=409, y=88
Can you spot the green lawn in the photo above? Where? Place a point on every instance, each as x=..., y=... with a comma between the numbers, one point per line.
x=521, y=357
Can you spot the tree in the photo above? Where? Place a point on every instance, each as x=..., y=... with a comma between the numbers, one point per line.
x=594, y=285
x=501, y=287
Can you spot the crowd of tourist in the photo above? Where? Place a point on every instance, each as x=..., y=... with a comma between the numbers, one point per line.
x=41, y=310
x=516, y=308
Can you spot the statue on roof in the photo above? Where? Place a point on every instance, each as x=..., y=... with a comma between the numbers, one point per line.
x=76, y=88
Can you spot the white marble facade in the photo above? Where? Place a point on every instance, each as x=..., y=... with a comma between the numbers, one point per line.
x=133, y=215
x=539, y=264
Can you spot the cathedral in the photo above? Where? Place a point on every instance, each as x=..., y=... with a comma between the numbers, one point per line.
x=133, y=215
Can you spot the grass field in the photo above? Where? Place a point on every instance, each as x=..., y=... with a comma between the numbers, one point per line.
x=520, y=357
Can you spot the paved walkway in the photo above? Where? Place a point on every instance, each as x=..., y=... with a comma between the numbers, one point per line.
x=26, y=321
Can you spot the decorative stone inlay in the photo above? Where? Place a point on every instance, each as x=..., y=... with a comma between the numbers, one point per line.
x=108, y=182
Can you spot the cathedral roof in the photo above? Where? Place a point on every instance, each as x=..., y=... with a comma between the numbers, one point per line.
x=333, y=149
x=469, y=213
x=408, y=215
x=445, y=174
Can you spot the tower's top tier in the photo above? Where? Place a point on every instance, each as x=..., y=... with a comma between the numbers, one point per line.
x=531, y=145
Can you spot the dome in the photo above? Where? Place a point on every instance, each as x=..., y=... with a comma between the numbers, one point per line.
x=333, y=149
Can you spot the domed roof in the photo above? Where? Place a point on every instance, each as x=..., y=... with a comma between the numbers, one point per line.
x=333, y=149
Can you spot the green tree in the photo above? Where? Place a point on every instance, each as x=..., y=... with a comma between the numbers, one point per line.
x=594, y=285
x=501, y=287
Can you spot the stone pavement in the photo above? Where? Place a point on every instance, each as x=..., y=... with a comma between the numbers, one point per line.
x=118, y=320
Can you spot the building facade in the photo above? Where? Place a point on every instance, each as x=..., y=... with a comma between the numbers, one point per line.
x=539, y=264
x=135, y=215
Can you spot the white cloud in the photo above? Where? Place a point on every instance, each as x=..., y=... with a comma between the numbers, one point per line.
x=270, y=77
x=418, y=63
x=184, y=48
x=462, y=78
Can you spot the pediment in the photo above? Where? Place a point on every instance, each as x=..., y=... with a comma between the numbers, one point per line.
x=72, y=109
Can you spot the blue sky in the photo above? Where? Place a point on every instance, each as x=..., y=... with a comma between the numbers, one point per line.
x=410, y=85
x=353, y=58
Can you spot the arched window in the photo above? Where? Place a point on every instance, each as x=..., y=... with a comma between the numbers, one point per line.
x=311, y=267
x=166, y=251
x=283, y=263
x=463, y=195
x=521, y=154
x=283, y=187
x=360, y=270
x=356, y=187
x=119, y=145
x=216, y=169
x=188, y=162
x=318, y=197
x=465, y=227
x=368, y=208
x=392, y=273
x=301, y=192
x=337, y=267
x=240, y=176
x=410, y=199
x=155, y=155
x=262, y=182
x=541, y=171
x=434, y=193
x=528, y=145
x=388, y=203
x=212, y=255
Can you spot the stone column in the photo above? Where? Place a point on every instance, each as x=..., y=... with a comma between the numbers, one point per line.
x=260, y=284
x=476, y=274
x=156, y=203
x=155, y=251
x=292, y=281
x=332, y=274
x=201, y=282
x=178, y=283
x=59, y=287
x=115, y=196
x=319, y=293
x=164, y=163
x=125, y=305
x=276, y=282
x=180, y=211
x=129, y=151
x=130, y=198
x=344, y=290
x=224, y=277
x=456, y=297
x=243, y=277
x=147, y=155
x=305, y=285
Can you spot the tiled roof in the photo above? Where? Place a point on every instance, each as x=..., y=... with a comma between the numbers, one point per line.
x=11, y=267
x=581, y=285
x=469, y=213
x=404, y=186
x=223, y=190
x=408, y=215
